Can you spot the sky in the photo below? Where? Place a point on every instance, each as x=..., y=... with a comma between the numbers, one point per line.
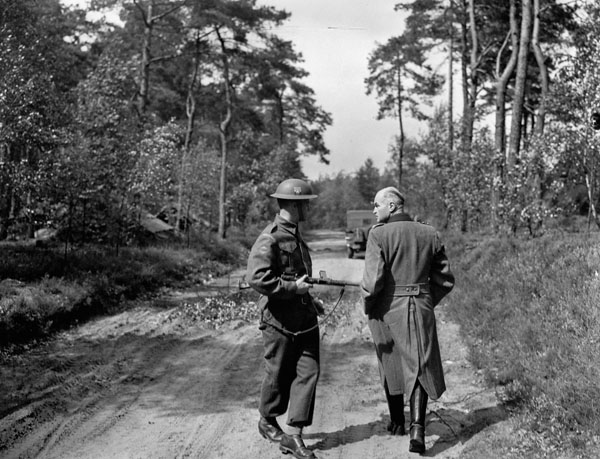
x=335, y=38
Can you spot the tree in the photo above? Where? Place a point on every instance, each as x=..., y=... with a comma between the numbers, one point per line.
x=401, y=80
x=108, y=132
x=575, y=99
x=291, y=114
x=519, y=97
x=367, y=181
x=337, y=194
x=489, y=45
x=503, y=72
x=33, y=101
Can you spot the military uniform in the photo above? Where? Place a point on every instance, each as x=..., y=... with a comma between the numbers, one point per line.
x=406, y=275
x=278, y=257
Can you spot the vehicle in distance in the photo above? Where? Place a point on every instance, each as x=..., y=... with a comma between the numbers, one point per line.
x=358, y=225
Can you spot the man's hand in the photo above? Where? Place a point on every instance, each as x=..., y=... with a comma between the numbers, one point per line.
x=301, y=286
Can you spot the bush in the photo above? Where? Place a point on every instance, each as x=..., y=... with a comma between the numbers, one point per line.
x=528, y=310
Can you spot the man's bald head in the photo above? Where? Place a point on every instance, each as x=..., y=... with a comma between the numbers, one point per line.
x=391, y=194
x=388, y=201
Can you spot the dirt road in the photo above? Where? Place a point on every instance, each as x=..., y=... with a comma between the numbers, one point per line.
x=145, y=384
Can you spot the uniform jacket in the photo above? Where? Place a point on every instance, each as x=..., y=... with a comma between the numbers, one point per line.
x=399, y=253
x=279, y=256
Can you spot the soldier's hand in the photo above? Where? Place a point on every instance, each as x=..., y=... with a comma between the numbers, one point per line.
x=301, y=286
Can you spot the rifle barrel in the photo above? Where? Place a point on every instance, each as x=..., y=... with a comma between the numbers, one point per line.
x=327, y=281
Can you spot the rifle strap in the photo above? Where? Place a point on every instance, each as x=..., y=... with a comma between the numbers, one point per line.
x=308, y=330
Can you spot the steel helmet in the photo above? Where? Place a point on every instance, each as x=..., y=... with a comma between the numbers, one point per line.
x=294, y=189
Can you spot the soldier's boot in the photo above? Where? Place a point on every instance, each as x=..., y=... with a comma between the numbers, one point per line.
x=418, y=408
x=293, y=444
x=270, y=429
x=396, y=407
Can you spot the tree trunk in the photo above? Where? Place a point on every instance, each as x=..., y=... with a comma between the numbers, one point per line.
x=539, y=57
x=464, y=73
x=502, y=79
x=149, y=20
x=400, y=125
x=280, y=118
x=223, y=132
x=470, y=62
x=473, y=78
x=145, y=64
x=447, y=201
x=30, y=217
x=451, y=80
x=590, y=191
x=519, y=98
x=190, y=111
x=540, y=119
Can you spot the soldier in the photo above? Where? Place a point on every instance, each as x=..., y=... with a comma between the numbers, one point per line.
x=278, y=265
x=406, y=275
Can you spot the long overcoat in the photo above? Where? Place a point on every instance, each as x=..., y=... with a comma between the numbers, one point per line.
x=406, y=275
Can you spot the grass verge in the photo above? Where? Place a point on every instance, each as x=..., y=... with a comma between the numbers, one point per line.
x=43, y=291
x=528, y=310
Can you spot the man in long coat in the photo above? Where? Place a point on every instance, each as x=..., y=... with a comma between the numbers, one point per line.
x=406, y=275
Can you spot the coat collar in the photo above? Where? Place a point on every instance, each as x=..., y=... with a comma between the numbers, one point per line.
x=286, y=225
x=400, y=218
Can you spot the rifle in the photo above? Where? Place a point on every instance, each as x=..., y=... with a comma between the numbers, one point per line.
x=321, y=280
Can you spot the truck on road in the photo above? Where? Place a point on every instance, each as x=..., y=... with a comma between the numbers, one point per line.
x=358, y=225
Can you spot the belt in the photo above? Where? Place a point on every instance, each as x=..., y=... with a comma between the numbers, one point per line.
x=411, y=290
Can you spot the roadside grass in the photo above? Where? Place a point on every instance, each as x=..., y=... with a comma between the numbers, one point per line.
x=528, y=310
x=42, y=290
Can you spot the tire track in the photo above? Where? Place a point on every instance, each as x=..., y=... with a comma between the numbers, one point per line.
x=218, y=382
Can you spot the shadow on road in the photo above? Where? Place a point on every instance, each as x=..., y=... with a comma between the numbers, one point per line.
x=450, y=426
x=347, y=435
x=454, y=426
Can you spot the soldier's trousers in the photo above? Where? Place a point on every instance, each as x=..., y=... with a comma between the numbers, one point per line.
x=292, y=372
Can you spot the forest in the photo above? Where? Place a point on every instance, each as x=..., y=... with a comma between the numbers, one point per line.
x=194, y=110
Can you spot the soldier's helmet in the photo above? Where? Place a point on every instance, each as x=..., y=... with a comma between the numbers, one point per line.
x=294, y=189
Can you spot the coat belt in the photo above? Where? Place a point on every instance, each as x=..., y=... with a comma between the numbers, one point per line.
x=410, y=290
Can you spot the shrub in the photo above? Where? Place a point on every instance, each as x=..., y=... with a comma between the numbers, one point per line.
x=528, y=310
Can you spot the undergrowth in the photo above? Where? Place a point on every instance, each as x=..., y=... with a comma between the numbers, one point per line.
x=216, y=311
x=528, y=310
x=44, y=290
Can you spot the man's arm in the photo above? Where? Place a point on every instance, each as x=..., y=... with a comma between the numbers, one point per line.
x=262, y=273
x=441, y=279
x=372, y=281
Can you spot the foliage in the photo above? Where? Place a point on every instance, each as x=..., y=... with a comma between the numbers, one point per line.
x=33, y=106
x=337, y=194
x=154, y=175
x=368, y=180
x=125, y=105
x=216, y=311
x=101, y=123
x=400, y=77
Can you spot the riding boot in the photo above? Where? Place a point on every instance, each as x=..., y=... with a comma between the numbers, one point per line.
x=396, y=406
x=418, y=408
